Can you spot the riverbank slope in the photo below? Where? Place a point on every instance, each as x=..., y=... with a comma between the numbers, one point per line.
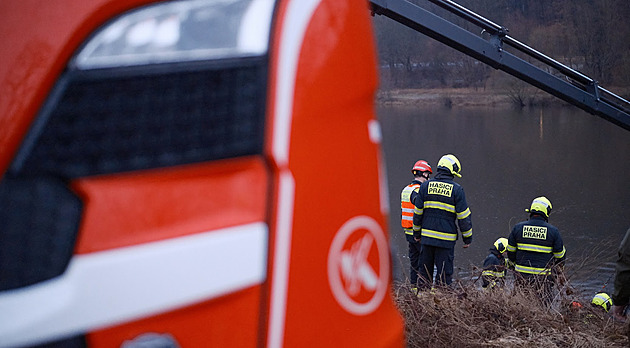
x=465, y=317
x=474, y=97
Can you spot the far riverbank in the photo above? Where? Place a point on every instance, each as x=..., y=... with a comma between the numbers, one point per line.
x=471, y=97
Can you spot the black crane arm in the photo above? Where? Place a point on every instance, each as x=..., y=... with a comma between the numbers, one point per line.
x=570, y=86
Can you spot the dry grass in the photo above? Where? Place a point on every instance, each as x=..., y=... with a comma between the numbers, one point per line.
x=465, y=316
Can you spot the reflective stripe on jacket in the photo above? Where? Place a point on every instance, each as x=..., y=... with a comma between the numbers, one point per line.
x=406, y=206
x=534, y=245
x=440, y=208
x=494, y=269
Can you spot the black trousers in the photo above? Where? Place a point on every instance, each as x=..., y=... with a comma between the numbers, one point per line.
x=414, y=259
x=442, y=259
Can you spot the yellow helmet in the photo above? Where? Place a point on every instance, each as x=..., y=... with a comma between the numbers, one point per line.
x=451, y=163
x=501, y=245
x=602, y=299
x=540, y=205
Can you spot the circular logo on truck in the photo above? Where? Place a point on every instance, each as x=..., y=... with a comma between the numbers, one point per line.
x=358, y=265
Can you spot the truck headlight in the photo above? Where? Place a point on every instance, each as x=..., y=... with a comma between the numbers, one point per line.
x=180, y=31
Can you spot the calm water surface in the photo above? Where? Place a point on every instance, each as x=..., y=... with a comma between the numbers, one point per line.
x=579, y=161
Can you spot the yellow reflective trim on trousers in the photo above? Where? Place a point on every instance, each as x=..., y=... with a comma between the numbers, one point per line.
x=532, y=270
x=491, y=285
x=560, y=254
x=534, y=247
x=463, y=214
x=439, y=205
x=439, y=235
x=511, y=248
x=408, y=231
x=417, y=210
x=498, y=274
x=467, y=233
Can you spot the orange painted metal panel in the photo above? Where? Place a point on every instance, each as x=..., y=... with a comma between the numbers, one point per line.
x=140, y=207
x=229, y=321
x=335, y=165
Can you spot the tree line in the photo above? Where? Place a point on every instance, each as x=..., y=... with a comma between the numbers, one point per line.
x=590, y=36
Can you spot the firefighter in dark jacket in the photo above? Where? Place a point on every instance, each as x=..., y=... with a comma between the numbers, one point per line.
x=535, y=246
x=621, y=295
x=440, y=208
x=421, y=172
x=494, y=266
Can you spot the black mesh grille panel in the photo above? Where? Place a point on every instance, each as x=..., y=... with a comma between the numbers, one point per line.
x=104, y=124
x=39, y=221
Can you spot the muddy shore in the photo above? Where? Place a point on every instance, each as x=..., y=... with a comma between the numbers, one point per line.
x=470, y=97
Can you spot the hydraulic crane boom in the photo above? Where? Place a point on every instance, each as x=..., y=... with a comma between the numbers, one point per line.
x=567, y=84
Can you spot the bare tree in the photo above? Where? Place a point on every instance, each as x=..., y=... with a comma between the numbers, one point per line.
x=600, y=27
x=590, y=36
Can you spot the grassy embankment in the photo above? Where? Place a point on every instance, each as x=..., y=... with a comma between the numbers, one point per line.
x=464, y=316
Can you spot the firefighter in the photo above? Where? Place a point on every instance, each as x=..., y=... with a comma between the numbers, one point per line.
x=440, y=207
x=535, y=247
x=621, y=294
x=494, y=266
x=421, y=172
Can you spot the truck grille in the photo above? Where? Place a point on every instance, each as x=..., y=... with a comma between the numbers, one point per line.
x=105, y=122
x=119, y=120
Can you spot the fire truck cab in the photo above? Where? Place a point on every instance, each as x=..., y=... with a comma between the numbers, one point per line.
x=192, y=174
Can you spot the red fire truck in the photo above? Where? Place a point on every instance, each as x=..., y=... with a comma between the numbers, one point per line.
x=200, y=173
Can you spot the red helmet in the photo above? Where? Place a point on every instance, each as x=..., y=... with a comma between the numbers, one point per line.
x=421, y=166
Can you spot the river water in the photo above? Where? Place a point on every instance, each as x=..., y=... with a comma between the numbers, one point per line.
x=579, y=161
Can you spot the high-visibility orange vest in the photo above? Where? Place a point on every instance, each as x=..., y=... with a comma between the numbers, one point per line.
x=406, y=207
